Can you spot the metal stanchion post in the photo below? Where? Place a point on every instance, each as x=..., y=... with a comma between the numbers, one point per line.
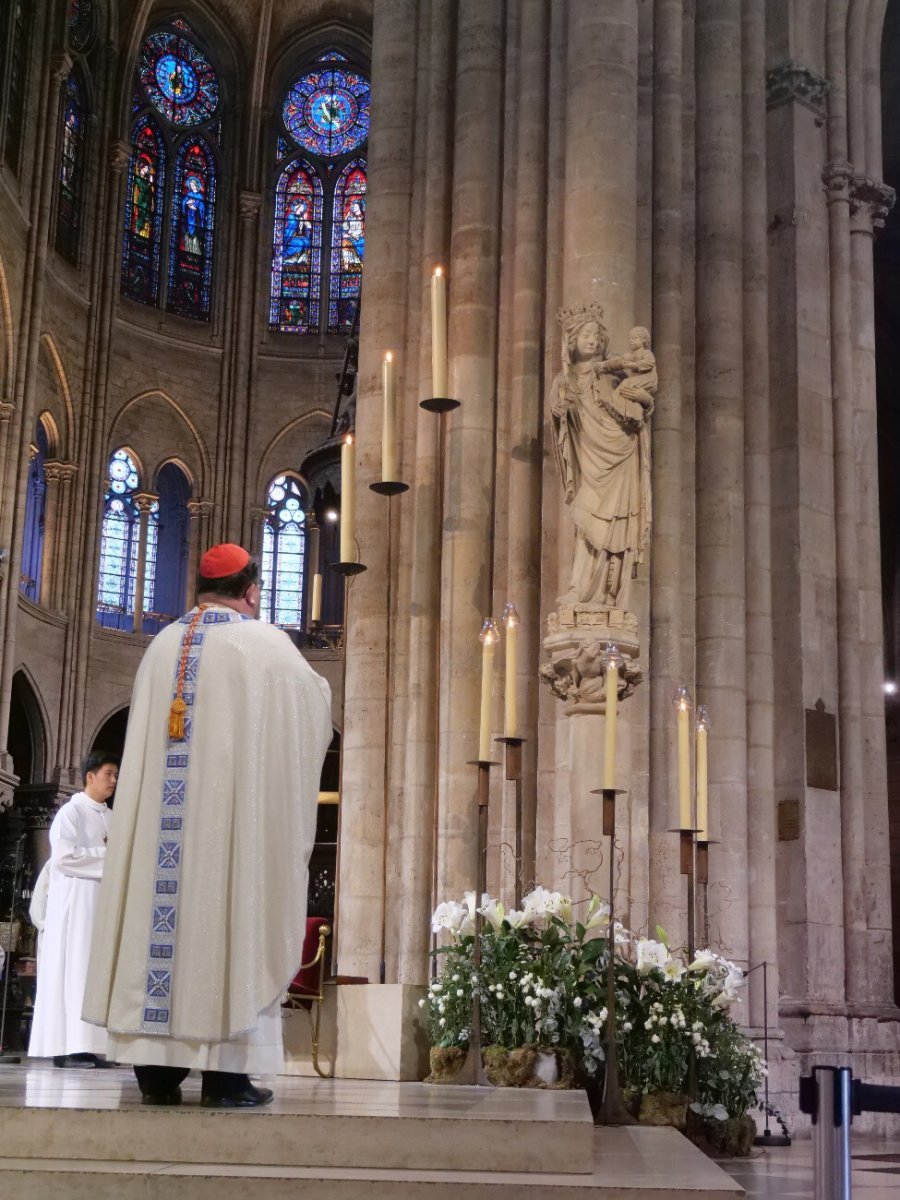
x=826, y=1096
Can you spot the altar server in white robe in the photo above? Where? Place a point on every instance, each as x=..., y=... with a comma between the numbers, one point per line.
x=203, y=905
x=77, y=854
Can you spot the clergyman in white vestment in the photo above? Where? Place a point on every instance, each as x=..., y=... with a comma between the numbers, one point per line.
x=77, y=855
x=203, y=905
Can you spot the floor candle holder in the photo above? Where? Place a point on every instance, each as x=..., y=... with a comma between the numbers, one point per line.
x=439, y=404
x=389, y=487
x=347, y=568
x=513, y=757
x=612, y=1109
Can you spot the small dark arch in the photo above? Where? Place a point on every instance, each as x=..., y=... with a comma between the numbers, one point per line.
x=111, y=734
x=27, y=734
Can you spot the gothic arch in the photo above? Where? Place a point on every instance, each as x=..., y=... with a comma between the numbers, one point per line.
x=6, y=338
x=175, y=461
x=66, y=428
x=200, y=472
x=51, y=432
x=267, y=469
x=29, y=725
x=303, y=47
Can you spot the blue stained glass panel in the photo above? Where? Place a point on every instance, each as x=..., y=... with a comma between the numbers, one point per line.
x=191, y=246
x=297, y=252
x=284, y=554
x=71, y=171
x=326, y=111
x=80, y=24
x=178, y=78
x=143, y=213
x=348, y=237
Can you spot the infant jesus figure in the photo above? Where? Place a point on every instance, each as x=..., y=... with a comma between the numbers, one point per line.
x=637, y=371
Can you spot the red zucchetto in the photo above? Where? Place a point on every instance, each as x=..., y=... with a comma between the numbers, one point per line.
x=223, y=560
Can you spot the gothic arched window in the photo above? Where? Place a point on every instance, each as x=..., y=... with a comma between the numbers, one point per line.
x=320, y=199
x=15, y=44
x=170, y=577
x=71, y=169
x=120, y=545
x=35, y=504
x=80, y=24
x=173, y=172
x=284, y=553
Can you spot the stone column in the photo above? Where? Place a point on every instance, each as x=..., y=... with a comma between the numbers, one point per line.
x=762, y=845
x=200, y=515
x=871, y=201
x=527, y=402
x=467, y=553
x=425, y=500
x=838, y=180
x=57, y=516
x=258, y=515
x=721, y=628
x=144, y=502
x=667, y=570
x=364, y=781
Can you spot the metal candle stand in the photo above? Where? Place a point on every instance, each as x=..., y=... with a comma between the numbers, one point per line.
x=612, y=1109
x=513, y=758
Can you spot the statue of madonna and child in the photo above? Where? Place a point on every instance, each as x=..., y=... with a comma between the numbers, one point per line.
x=600, y=407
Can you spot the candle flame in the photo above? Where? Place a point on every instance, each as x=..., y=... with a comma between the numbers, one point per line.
x=389, y=357
x=490, y=634
x=703, y=721
x=510, y=616
x=438, y=271
x=348, y=440
x=682, y=699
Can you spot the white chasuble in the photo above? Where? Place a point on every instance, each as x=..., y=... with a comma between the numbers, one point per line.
x=77, y=854
x=203, y=904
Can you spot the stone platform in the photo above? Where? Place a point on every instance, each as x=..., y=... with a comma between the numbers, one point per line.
x=71, y=1135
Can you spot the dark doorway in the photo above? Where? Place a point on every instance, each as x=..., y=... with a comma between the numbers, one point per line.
x=111, y=734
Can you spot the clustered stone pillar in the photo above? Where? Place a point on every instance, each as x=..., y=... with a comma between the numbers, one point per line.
x=467, y=556
x=57, y=522
x=144, y=502
x=721, y=611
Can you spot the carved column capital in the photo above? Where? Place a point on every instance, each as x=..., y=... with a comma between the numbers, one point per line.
x=119, y=156
x=56, y=471
x=838, y=179
x=199, y=508
x=870, y=202
x=249, y=204
x=144, y=501
x=792, y=82
x=61, y=66
x=7, y=410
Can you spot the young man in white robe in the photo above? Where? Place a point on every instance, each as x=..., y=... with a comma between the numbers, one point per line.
x=77, y=854
x=203, y=905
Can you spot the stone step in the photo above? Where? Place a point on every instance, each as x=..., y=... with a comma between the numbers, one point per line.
x=334, y=1124
x=628, y=1164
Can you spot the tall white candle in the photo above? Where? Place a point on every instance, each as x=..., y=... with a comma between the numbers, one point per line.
x=438, y=333
x=489, y=638
x=612, y=703
x=315, y=608
x=348, y=500
x=702, y=775
x=683, y=705
x=388, y=429
x=510, y=709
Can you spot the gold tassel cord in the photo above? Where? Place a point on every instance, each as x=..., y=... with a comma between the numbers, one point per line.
x=178, y=707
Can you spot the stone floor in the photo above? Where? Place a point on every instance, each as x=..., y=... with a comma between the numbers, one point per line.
x=786, y=1174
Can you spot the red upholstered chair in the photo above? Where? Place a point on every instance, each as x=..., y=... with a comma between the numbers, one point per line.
x=307, y=990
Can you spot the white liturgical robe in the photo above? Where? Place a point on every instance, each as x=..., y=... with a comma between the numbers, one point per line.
x=203, y=904
x=77, y=854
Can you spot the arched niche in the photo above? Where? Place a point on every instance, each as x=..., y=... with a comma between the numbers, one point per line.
x=110, y=736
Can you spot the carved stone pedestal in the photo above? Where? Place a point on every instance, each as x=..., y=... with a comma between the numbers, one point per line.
x=577, y=636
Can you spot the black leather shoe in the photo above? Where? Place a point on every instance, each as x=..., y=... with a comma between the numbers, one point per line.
x=165, y=1098
x=248, y=1097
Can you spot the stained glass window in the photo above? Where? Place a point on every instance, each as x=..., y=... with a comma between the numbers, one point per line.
x=71, y=171
x=284, y=554
x=297, y=258
x=326, y=111
x=348, y=236
x=19, y=31
x=178, y=78
x=120, y=543
x=143, y=213
x=193, y=211
x=35, y=504
x=170, y=577
x=80, y=23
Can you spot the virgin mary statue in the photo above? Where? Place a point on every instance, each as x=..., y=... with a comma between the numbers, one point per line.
x=602, y=447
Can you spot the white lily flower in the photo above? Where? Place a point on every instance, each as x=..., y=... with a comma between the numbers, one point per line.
x=597, y=914
x=703, y=961
x=449, y=916
x=493, y=912
x=651, y=956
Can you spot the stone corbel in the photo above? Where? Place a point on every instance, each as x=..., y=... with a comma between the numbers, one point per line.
x=791, y=83
x=7, y=410
x=61, y=67
x=119, y=156
x=249, y=204
x=57, y=471
x=870, y=202
x=577, y=638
